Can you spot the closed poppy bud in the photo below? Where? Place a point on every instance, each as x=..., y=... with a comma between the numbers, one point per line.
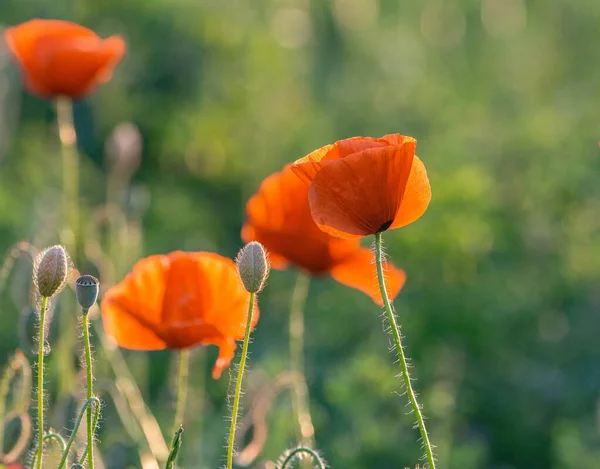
x=253, y=266
x=76, y=466
x=50, y=271
x=86, y=290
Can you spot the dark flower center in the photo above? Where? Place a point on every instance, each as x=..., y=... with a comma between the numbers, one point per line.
x=385, y=226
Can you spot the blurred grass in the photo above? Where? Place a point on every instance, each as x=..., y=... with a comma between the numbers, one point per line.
x=501, y=307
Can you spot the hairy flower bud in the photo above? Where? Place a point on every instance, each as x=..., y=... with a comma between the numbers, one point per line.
x=50, y=271
x=86, y=290
x=253, y=266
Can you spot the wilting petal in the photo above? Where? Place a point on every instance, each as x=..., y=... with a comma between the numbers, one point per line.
x=358, y=271
x=416, y=196
x=360, y=194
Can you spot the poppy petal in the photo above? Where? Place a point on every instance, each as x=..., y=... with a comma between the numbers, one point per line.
x=358, y=271
x=204, y=289
x=279, y=217
x=132, y=310
x=306, y=168
x=129, y=331
x=73, y=67
x=416, y=196
x=359, y=195
x=226, y=354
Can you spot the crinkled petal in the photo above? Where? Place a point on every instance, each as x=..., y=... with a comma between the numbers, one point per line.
x=360, y=194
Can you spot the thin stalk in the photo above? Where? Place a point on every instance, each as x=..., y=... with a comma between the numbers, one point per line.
x=90, y=378
x=182, y=384
x=238, y=384
x=86, y=405
x=70, y=168
x=400, y=351
x=296, y=331
x=40, y=393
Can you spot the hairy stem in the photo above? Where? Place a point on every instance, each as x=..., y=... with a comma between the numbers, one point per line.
x=287, y=459
x=238, y=384
x=90, y=381
x=400, y=351
x=40, y=393
x=86, y=405
x=296, y=331
x=182, y=384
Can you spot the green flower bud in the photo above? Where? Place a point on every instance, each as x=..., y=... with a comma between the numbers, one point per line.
x=50, y=271
x=86, y=290
x=253, y=266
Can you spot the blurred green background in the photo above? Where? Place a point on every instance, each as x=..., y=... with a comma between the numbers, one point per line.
x=501, y=310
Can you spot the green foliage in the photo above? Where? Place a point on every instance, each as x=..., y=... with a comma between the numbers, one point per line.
x=500, y=310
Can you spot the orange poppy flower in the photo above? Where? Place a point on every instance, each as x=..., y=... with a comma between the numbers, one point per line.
x=60, y=58
x=177, y=301
x=278, y=216
x=362, y=186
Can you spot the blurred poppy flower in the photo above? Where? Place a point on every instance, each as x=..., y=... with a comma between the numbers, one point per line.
x=278, y=216
x=60, y=58
x=362, y=186
x=178, y=301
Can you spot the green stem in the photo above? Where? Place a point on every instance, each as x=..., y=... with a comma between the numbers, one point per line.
x=296, y=453
x=182, y=384
x=86, y=405
x=40, y=393
x=238, y=384
x=400, y=351
x=90, y=378
x=70, y=167
x=296, y=332
x=50, y=436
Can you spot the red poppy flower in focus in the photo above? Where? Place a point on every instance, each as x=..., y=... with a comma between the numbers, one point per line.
x=60, y=58
x=362, y=185
x=177, y=301
x=278, y=216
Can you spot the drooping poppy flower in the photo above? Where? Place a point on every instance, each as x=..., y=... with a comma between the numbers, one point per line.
x=60, y=58
x=278, y=216
x=362, y=186
x=176, y=301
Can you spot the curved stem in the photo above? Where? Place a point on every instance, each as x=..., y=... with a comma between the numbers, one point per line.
x=86, y=405
x=296, y=331
x=238, y=384
x=90, y=378
x=400, y=351
x=296, y=452
x=182, y=383
x=40, y=393
x=9, y=373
